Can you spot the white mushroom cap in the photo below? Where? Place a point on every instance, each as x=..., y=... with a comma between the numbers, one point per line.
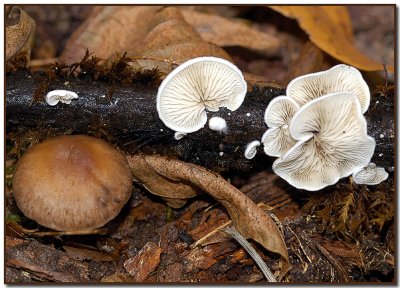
x=333, y=143
x=217, y=124
x=199, y=84
x=278, y=115
x=340, y=78
x=370, y=175
x=251, y=149
x=55, y=96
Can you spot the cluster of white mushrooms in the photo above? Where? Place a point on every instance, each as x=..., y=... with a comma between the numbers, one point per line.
x=317, y=130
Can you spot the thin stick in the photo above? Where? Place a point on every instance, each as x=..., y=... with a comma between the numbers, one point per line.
x=252, y=252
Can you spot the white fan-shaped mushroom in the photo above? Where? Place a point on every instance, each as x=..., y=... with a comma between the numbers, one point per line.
x=279, y=113
x=340, y=78
x=199, y=84
x=55, y=96
x=251, y=149
x=370, y=175
x=333, y=143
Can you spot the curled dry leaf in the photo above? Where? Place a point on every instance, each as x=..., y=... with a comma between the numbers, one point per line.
x=329, y=27
x=249, y=219
x=20, y=29
x=155, y=180
x=226, y=32
x=150, y=34
x=140, y=266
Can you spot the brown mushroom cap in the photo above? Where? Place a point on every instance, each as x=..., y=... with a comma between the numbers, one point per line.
x=72, y=183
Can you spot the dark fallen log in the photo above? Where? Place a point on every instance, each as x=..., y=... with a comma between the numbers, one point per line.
x=129, y=118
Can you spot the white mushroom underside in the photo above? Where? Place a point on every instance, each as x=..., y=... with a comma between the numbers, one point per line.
x=277, y=141
x=278, y=115
x=340, y=78
x=370, y=175
x=63, y=96
x=201, y=84
x=333, y=143
x=280, y=111
x=251, y=149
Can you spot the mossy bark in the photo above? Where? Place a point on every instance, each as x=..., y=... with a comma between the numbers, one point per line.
x=129, y=119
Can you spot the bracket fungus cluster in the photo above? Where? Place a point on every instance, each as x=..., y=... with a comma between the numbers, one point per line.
x=72, y=183
x=199, y=84
x=318, y=130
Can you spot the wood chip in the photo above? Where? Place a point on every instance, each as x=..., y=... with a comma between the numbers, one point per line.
x=140, y=266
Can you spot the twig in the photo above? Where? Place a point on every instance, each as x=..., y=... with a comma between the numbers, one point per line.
x=252, y=252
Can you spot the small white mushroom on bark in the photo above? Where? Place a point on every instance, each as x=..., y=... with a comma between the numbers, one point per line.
x=332, y=143
x=340, y=78
x=63, y=96
x=179, y=135
x=279, y=113
x=196, y=85
x=370, y=175
x=217, y=124
x=251, y=149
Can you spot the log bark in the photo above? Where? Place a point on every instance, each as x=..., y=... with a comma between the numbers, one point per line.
x=129, y=119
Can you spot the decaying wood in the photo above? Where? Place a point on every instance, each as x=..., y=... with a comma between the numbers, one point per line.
x=45, y=262
x=129, y=118
x=145, y=262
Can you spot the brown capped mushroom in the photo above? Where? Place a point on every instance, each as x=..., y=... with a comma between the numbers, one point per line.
x=71, y=183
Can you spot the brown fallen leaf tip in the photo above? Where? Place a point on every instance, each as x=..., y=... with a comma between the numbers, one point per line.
x=329, y=27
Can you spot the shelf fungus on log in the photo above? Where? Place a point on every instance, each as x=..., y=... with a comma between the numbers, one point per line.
x=130, y=119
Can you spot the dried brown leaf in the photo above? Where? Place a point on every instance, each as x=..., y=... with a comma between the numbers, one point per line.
x=260, y=81
x=109, y=29
x=329, y=27
x=226, y=32
x=249, y=219
x=151, y=32
x=154, y=179
x=140, y=266
x=311, y=59
x=20, y=29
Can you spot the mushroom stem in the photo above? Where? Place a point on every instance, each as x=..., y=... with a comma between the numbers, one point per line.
x=252, y=252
